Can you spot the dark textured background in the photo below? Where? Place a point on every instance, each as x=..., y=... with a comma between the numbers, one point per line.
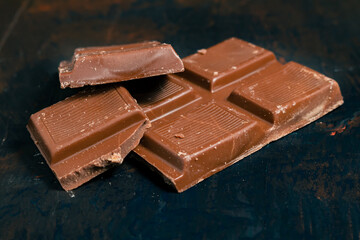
x=304, y=186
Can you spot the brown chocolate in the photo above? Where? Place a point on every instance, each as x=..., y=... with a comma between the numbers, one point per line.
x=88, y=133
x=232, y=99
x=99, y=65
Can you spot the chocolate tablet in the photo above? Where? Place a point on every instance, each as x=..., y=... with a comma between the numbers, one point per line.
x=232, y=99
x=88, y=133
x=99, y=65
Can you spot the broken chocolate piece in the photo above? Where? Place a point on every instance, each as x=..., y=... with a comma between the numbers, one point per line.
x=232, y=99
x=88, y=133
x=99, y=65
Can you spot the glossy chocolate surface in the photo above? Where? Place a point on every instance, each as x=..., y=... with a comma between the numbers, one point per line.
x=232, y=99
x=86, y=134
x=99, y=65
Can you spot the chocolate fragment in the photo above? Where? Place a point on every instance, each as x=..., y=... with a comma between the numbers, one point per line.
x=88, y=133
x=232, y=99
x=99, y=65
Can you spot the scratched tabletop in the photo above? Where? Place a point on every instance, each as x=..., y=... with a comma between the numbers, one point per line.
x=303, y=186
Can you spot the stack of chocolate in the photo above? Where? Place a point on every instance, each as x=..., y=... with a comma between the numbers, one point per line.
x=187, y=118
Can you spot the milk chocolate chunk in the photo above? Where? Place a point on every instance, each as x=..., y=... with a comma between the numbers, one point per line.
x=99, y=65
x=88, y=133
x=232, y=99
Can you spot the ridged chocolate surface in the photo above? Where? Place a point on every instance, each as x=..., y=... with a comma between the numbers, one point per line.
x=99, y=65
x=232, y=99
x=87, y=133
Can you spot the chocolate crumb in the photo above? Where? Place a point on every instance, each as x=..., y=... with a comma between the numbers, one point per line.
x=179, y=135
x=202, y=51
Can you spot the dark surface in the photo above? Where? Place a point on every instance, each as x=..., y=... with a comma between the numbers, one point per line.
x=303, y=186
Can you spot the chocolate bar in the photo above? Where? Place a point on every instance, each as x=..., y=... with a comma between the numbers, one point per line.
x=99, y=65
x=232, y=99
x=88, y=133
